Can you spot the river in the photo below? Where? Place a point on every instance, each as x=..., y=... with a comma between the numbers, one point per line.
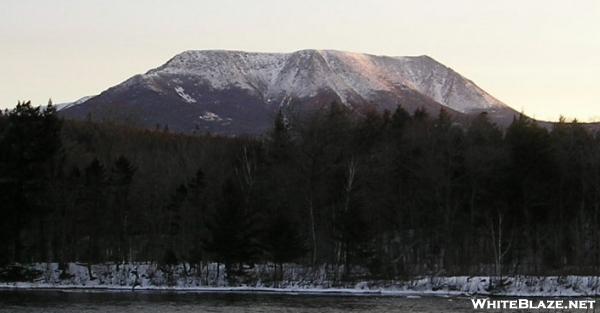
x=52, y=301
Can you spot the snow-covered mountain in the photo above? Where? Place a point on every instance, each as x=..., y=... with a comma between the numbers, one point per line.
x=234, y=92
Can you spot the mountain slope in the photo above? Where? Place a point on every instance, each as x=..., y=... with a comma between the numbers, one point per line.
x=66, y=105
x=234, y=92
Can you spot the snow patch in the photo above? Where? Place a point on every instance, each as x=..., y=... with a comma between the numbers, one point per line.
x=212, y=117
x=181, y=92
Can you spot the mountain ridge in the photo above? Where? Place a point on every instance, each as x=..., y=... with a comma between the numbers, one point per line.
x=241, y=91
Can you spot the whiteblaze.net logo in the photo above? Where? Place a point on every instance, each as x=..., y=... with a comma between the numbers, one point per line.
x=526, y=304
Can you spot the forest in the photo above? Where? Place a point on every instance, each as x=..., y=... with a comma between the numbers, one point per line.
x=396, y=193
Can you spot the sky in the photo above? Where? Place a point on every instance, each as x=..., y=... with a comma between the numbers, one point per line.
x=539, y=57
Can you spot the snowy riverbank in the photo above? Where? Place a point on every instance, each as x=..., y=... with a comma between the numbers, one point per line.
x=291, y=279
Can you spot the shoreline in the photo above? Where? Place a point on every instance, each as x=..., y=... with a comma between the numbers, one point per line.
x=295, y=279
x=383, y=292
x=223, y=290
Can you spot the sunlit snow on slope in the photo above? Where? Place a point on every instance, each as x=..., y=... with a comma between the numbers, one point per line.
x=62, y=106
x=305, y=73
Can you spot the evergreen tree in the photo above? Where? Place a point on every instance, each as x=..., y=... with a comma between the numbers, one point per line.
x=29, y=145
x=197, y=216
x=400, y=118
x=122, y=173
x=94, y=224
x=282, y=241
x=279, y=144
x=234, y=234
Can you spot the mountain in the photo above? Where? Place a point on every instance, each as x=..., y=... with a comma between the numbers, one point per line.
x=236, y=92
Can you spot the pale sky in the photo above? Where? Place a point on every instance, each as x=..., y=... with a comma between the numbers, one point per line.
x=540, y=57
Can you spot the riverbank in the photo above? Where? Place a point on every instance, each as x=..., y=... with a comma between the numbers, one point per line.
x=290, y=279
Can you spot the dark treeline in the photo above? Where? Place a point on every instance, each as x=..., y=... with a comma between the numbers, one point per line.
x=396, y=193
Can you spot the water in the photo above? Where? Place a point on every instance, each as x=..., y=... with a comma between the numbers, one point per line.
x=168, y=302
